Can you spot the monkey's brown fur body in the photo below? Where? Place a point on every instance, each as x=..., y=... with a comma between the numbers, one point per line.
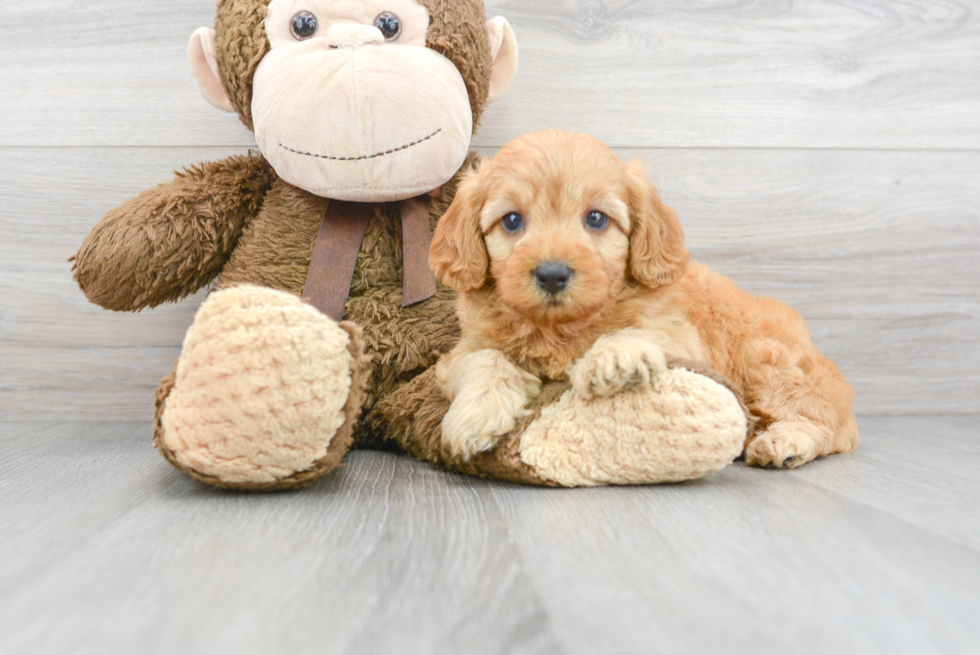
x=236, y=223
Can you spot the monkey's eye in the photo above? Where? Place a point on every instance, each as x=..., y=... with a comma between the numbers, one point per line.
x=597, y=221
x=304, y=25
x=513, y=223
x=390, y=25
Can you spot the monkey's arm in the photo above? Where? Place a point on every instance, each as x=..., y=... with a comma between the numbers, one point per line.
x=171, y=241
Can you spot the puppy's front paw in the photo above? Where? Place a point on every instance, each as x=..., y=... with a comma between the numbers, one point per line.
x=474, y=425
x=489, y=394
x=618, y=361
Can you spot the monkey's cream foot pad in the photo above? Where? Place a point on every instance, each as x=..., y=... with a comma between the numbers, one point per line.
x=686, y=423
x=260, y=390
x=683, y=426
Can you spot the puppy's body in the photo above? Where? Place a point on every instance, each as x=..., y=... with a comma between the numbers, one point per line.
x=805, y=404
x=630, y=296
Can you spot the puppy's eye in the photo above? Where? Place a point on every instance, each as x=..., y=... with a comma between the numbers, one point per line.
x=304, y=25
x=513, y=223
x=390, y=25
x=597, y=221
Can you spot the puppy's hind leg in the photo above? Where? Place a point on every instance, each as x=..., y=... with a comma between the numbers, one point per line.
x=806, y=402
x=791, y=444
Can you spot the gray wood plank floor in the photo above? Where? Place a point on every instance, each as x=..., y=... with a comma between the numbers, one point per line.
x=105, y=549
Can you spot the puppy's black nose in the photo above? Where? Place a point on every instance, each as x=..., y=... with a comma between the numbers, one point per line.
x=553, y=277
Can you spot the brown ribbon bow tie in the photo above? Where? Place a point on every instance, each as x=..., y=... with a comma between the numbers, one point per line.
x=339, y=242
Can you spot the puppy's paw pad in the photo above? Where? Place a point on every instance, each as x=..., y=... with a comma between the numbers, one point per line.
x=783, y=446
x=617, y=362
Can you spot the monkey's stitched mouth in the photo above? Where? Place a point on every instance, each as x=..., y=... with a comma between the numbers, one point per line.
x=363, y=157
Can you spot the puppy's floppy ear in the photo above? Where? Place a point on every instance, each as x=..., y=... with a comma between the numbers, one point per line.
x=657, y=252
x=458, y=256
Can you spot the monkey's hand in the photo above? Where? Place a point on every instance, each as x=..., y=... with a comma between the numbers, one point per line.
x=618, y=361
x=171, y=241
x=489, y=395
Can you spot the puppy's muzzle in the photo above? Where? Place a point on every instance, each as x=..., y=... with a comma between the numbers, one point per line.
x=553, y=277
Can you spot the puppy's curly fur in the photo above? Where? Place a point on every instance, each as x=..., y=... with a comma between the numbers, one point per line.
x=630, y=295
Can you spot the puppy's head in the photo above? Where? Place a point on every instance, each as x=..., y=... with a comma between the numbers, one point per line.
x=559, y=226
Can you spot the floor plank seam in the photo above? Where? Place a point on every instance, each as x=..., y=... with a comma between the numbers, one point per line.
x=493, y=488
x=936, y=536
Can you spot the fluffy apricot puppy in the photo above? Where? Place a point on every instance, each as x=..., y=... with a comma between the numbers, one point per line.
x=569, y=266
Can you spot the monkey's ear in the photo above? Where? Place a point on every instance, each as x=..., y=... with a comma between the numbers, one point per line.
x=202, y=52
x=506, y=56
x=459, y=256
x=657, y=252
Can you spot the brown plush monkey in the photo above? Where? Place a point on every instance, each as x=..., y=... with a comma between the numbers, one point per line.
x=362, y=110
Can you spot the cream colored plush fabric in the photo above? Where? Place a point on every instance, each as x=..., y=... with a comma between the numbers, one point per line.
x=331, y=117
x=506, y=57
x=203, y=57
x=682, y=427
x=260, y=388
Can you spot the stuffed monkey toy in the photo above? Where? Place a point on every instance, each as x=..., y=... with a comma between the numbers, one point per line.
x=326, y=319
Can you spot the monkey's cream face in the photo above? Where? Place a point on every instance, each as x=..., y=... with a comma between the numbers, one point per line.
x=350, y=104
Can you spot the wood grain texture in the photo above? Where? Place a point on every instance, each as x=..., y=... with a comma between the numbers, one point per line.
x=747, y=562
x=115, y=552
x=106, y=549
x=875, y=249
x=902, y=477
x=767, y=73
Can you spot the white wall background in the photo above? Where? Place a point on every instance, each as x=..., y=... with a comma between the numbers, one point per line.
x=823, y=151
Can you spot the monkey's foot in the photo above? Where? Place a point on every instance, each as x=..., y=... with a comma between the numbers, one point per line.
x=686, y=423
x=683, y=426
x=265, y=395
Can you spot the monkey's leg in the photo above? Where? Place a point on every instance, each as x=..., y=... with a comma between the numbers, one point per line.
x=686, y=424
x=266, y=393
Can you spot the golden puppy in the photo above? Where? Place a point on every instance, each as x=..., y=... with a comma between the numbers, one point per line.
x=569, y=266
